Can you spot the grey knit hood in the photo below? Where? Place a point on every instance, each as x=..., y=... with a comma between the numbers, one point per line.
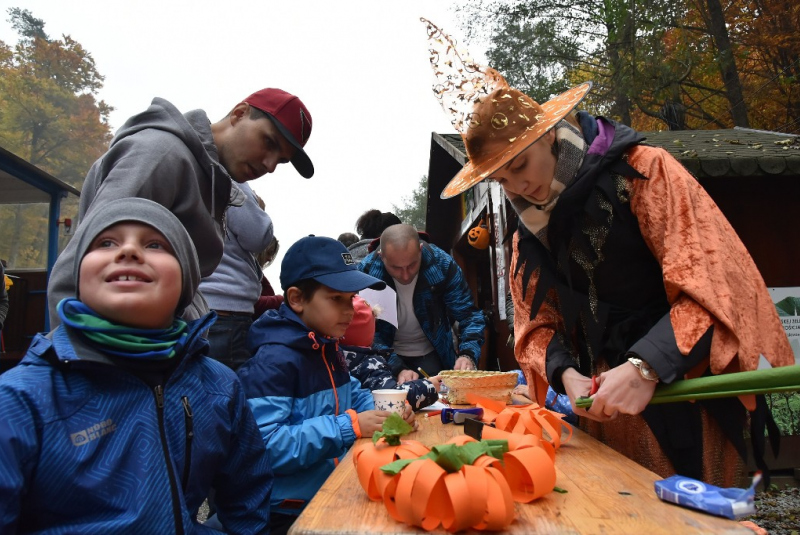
x=152, y=214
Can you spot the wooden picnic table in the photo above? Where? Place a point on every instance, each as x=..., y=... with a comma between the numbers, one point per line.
x=606, y=493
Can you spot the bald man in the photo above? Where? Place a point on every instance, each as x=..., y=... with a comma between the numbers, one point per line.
x=431, y=296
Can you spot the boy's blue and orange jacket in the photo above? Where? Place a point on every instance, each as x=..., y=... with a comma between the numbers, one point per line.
x=299, y=389
x=87, y=447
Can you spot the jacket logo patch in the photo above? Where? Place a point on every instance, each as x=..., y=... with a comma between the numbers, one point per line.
x=348, y=259
x=81, y=438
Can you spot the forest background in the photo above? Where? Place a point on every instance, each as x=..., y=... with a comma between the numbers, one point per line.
x=687, y=64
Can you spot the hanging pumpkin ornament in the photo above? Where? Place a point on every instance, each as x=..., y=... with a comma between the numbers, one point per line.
x=478, y=237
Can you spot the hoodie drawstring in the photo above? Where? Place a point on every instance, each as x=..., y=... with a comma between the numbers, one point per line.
x=330, y=374
x=214, y=194
x=314, y=339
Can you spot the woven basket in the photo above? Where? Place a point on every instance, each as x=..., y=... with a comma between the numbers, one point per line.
x=492, y=385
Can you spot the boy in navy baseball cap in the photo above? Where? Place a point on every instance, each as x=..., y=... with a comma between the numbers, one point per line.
x=308, y=408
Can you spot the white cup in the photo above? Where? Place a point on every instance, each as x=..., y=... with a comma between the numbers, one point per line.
x=390, y=400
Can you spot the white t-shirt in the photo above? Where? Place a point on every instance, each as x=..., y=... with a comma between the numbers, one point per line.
x=410, y=339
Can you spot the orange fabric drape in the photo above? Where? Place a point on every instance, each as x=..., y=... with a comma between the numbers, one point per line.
x=709, y=277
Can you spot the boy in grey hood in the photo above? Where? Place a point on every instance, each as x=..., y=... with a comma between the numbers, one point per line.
x=117, y=421
x=186, y=164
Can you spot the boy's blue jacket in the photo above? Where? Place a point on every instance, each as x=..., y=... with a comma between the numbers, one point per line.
x=85, y=447
x=441, y=298
x=298, y=387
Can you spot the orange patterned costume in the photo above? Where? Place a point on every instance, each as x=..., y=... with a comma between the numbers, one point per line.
x=709, y=279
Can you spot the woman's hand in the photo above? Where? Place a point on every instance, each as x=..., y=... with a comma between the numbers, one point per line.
x=577, y=386
x=622, y=390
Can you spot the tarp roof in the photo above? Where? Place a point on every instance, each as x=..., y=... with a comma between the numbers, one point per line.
x=22, y=182
x=707, y=153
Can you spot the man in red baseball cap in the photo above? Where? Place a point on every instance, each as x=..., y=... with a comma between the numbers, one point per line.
x=250, y=147
x=189, y=165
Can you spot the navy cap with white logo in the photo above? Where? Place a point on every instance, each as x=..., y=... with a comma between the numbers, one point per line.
x=328, y=262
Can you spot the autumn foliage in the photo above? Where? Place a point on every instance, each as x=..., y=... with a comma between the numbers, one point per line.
x=688, y=64
x=49, y=116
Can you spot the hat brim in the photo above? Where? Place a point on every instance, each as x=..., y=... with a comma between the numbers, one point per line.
x=555, y=109
x=350, y=281
x=300, y=160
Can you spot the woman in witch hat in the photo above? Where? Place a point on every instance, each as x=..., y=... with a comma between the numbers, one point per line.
x=623, y=269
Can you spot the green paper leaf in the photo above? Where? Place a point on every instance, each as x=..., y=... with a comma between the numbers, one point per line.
x=397, y=466
x=447, y=456
x=451, y=457
x=393, y=428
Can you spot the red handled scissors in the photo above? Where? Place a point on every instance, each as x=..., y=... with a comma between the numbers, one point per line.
x=595, y=386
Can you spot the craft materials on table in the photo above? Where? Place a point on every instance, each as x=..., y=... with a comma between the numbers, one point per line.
x=730, y=503
x=487, y=384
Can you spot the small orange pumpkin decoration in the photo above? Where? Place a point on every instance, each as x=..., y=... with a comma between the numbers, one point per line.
x=368, y=459
x=528, y=419
x=478, y=237
x=479, y=496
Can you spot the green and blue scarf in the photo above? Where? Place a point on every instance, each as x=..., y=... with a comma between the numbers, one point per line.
x=122, y=340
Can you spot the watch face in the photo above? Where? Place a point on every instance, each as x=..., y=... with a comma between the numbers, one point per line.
x=644, y=369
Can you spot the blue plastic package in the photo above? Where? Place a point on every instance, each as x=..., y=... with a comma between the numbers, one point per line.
x=560, y=403
x=731, y=503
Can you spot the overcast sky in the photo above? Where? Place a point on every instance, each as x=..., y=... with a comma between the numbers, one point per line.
x=360, y=66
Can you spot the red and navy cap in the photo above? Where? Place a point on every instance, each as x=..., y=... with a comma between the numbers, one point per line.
x=292, y=119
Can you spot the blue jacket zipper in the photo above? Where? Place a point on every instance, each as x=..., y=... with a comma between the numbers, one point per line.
x=187, y=458
x=176, y=502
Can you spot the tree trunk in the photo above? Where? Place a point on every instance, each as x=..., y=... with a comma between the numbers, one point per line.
x=620, y=50
x=727, y=64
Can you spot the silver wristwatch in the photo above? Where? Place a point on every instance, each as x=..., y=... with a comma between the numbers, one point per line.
x=644, y=368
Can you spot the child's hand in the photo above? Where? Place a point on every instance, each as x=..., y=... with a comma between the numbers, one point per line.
x=410, y=417
x=436, y=380
x=522, y=390
x=407, y=375
x=371, y=421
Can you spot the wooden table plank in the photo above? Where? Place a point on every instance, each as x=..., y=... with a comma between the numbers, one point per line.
x=606, y=493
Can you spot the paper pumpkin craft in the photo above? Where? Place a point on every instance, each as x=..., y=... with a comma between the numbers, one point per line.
x=527, y=419
x=462, y=484
x=369, y=458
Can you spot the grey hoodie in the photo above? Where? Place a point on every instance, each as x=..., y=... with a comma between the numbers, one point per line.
x=168, y=158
